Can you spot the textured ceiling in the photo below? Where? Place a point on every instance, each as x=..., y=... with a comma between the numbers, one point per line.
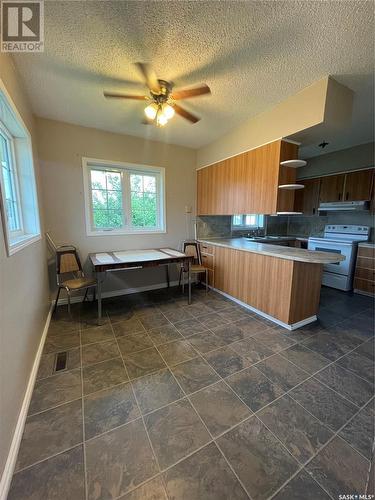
x=252, y=54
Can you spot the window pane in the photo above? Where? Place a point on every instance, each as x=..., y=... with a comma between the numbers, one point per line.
x=149, y=184
x=250, y=220
x=100, y=219
x=98, y=180
x=137, y=218
x=114, y=218
x=136, y=182
x=114, y=181
x=114, y=200
x=237, y=220
x=99, y=199
x=11, y=202
x=136, y=201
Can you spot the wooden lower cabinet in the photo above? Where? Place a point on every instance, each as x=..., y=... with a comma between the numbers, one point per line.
x=364, y=277
x=284, y=289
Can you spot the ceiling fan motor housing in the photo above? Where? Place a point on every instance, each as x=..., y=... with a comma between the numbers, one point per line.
x=165, y=90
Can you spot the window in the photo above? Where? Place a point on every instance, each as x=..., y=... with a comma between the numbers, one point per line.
x=123, y=198
x=19, y=206
x=247, y=221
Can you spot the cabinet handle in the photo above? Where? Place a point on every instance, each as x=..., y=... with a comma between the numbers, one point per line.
x=339, y=196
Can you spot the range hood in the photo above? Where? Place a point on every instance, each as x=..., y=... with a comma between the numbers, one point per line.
x=343, y=206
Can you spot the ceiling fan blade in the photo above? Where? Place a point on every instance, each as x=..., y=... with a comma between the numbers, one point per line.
x=193, y=92
x=126, y=96
x=150, y=76
x=185, y=114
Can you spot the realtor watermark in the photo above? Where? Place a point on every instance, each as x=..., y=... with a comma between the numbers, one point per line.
x=355, y=496
x=22, y=26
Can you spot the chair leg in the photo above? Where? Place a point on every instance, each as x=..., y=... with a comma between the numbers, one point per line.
x=85, y=297
x=206, y=280
x=94, y=294
x=68, y=301
x=183, y=282
x=57, y=299
x=179, y=278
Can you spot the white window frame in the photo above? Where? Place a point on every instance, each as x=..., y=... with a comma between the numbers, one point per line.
x=22, y=166
x=126, y=169
x=259, y=222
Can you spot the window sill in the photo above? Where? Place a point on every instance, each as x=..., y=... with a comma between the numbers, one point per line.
x=22, y=242
x=122, y=233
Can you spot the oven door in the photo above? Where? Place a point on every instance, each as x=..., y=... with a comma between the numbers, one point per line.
x=345, y=249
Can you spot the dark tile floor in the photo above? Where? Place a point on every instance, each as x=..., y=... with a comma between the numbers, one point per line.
x=208, y=401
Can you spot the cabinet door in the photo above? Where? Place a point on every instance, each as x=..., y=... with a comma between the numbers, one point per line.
x=332, y=188
x=307, y=199
x=358, y=185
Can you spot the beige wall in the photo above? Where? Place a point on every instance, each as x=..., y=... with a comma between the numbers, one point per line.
x=354, y=158
x=300, y=111
x=23, y=296
x=319, y=109
x=61, y=147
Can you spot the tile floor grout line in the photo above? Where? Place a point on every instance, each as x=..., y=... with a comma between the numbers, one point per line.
x=200, y=418
x=336, y=432
x=55, y=406
x=334, y=435
x=139, y=408
x=83, y=422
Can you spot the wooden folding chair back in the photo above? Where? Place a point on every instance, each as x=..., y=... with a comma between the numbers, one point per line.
x=191, y=248
x=67, y=261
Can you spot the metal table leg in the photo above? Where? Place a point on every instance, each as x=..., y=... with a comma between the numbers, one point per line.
x=189, y=282
x=167, y=272
x=99, y=277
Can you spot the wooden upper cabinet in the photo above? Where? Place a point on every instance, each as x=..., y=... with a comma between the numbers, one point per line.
x=307, y=199
x=332, y=188
x=358, y=185
x=248, y=183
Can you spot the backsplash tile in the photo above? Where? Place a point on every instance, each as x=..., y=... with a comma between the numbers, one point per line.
x=219, y=226
x=213, y=226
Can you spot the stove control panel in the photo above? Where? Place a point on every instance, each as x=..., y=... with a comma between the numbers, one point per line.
x=347, y=229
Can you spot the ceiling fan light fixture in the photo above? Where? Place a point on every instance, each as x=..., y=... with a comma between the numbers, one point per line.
x=168, y=111
x=151, y=111
x=161, y=119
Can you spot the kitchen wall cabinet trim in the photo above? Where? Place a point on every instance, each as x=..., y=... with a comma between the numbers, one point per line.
x=290, y=141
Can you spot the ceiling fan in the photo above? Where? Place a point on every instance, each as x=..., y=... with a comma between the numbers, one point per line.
x=161, y=103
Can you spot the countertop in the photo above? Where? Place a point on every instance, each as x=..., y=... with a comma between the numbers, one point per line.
x=367, y=244
x=281, y=252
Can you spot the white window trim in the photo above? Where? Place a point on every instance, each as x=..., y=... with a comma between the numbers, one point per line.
x=14, y=245
x=89, y=162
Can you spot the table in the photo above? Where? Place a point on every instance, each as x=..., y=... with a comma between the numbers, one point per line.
x=126, y=260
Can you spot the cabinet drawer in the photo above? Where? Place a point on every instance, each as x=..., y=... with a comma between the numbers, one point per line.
x=364, y=285
x=207, y=248
x=366, y=274
x=366, y=262
x=366, y=252
x=208, y=261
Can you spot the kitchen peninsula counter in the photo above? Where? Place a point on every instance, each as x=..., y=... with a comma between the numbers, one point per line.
x=273, y=250
x=280, y=283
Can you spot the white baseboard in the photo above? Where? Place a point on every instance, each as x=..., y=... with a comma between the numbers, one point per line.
x=293, y=326
x=116, y=293
x=18, y=432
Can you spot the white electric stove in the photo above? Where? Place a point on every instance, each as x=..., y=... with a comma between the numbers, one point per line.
x=343, y=240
